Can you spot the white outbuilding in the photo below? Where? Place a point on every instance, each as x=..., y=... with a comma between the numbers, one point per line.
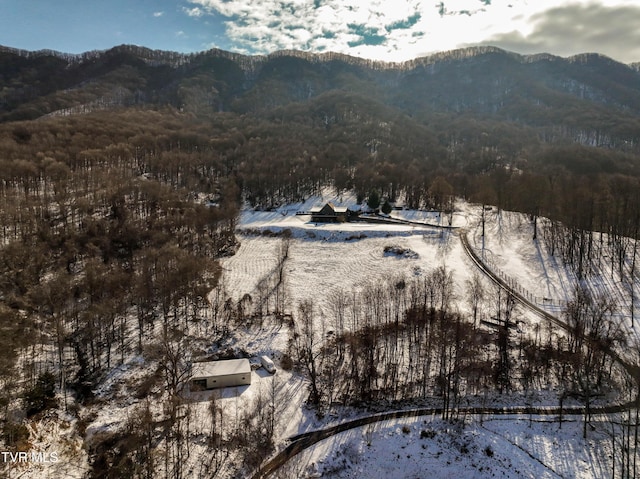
x=221, y=374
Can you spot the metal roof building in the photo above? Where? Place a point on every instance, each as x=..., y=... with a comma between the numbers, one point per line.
x=221, y=374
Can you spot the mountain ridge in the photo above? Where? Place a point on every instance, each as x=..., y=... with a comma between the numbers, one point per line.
x=588, y=98
x=171, y=56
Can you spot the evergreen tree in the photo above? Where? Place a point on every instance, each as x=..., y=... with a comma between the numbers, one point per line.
x=373, y=200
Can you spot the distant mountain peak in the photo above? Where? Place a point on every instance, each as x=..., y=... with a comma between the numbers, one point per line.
x=589, y=57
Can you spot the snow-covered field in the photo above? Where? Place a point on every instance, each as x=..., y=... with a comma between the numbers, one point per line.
x=319, y=265
x=340, y=256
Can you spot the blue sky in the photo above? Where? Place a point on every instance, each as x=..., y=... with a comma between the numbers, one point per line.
x=392, y=30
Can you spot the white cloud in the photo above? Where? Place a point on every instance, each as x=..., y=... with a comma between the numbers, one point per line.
x=193, y=12
x=158, y=14
x=380, y=29
x=263, y=26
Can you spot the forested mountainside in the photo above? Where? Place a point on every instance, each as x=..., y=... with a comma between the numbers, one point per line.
x=588, y=98
x=523, y=132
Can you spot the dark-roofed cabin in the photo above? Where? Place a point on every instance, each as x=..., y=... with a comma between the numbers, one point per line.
x=330, y=214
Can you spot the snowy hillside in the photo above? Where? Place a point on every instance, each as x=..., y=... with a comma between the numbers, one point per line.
x=324, y=260
x=334, y=257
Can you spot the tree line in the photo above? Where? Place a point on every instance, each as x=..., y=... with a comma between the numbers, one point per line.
x=405, y=340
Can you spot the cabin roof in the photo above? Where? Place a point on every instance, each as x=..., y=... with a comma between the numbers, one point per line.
x=324, y=209
x=220, y=368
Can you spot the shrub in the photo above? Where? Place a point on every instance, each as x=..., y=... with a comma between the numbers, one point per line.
x=405, y=429
x=286, y=362
x=15, y=434
x=488, y=451
x=42, y=395
x=400, y=252
x=427, y=434
x=356, y=237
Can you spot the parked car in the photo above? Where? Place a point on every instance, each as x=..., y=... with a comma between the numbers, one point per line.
x=267, y=364
x=255, y=363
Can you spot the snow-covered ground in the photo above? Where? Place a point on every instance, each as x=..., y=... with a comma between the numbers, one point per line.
x=347, y=256
x=507, y=447
x=509, y=250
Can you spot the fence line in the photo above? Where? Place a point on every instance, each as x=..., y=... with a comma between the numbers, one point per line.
x=539, y=301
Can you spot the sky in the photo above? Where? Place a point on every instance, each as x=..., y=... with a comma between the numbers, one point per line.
x=389, y=30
